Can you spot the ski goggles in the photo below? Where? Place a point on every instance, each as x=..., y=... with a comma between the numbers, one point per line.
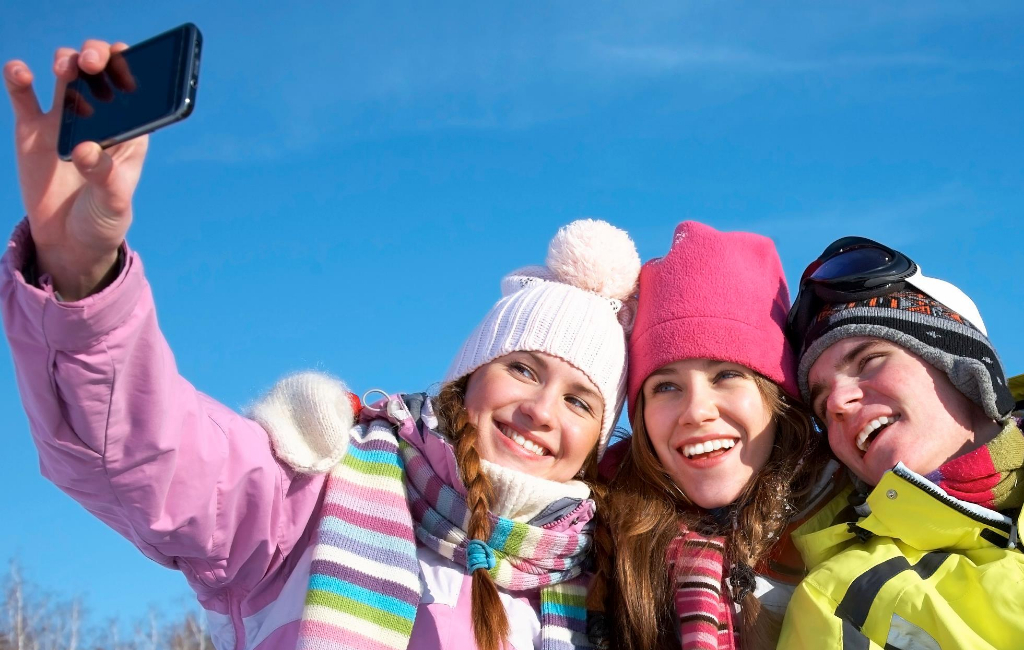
x=850, y=269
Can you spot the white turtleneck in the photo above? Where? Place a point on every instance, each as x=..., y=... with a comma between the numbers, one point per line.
x=521, y=497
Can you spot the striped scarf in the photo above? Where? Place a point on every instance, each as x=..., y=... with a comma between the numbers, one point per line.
x=364, y=586
x=990, y=475
x=705, y=611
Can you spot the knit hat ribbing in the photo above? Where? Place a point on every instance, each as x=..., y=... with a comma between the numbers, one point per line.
x=937, y=332
x=573, y=308
x=715, y=295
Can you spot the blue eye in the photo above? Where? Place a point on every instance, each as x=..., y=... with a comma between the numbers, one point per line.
x=664, y=387
x=520, y=368
x=578, y=403
x=729, y=374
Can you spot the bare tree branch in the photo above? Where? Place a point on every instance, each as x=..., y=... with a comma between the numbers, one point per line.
x=33, y=620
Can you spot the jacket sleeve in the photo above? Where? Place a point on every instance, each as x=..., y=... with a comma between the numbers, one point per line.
x=192, y=484
x=811, y=623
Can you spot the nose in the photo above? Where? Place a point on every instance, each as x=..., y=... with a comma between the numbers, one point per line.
x=540, y=408
x=843, y=399
x=698, y=406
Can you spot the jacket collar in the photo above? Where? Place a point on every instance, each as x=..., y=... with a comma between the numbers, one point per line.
x=907, y=507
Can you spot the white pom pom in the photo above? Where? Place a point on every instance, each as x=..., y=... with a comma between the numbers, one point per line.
x=595, y=256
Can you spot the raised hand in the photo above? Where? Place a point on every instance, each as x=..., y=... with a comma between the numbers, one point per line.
x=78, y=211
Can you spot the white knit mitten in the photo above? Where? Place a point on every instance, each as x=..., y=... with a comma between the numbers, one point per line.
x=308, y=416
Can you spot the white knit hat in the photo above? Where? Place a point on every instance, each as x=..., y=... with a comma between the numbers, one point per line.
x=577, y=308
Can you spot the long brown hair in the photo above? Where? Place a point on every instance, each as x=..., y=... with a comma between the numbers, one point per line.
x=645, y=511
x=490, y=623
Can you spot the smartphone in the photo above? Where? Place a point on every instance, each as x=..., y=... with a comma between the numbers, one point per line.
x=143, y=88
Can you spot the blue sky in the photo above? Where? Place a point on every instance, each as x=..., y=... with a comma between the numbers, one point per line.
x=356, y=179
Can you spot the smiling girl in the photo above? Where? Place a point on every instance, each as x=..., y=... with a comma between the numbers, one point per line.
x=432, y=523
x=722, y=455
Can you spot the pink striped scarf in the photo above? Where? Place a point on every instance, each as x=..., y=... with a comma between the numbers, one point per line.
x=703, y=607
x=383, y=500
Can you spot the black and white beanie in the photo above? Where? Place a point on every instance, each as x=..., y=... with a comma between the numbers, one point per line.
x=938, y=322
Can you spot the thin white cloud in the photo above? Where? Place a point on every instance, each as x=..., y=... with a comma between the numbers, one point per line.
x=668, y=59
x=442, y=77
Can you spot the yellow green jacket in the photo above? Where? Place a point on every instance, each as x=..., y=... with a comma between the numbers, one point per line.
x=1016, y=385
x=921, y=571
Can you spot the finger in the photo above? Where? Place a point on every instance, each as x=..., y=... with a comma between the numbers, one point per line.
x=111, y=187
x=99, y=87
x=65, y=67
x=94, y=56
x=94, y=164
x=18, y=80
x=131, y=150
x=65, y=62
x=128, y=157
x=76, y=103
x=120, y=75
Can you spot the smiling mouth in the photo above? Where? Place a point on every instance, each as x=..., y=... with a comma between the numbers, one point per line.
x=709, y=448
x=528, y=445
x=871, y=431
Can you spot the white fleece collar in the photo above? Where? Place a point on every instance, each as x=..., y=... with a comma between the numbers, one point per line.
x=521, y=497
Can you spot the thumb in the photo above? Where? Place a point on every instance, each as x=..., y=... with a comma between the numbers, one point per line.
x=100, y=172
x=94, y=164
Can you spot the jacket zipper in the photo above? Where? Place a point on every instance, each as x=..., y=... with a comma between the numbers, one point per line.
x=571, y=513
x=996, y=520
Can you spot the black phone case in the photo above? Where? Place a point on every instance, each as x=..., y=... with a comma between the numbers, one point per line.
x=185, y=84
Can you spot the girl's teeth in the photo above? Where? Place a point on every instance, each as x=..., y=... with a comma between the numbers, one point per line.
x=522, y=442
x=704, y=447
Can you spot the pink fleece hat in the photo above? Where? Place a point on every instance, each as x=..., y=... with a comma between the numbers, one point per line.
x=716, y=295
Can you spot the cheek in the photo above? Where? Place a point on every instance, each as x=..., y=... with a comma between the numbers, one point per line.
x=488, y=389
x=836, y=442
x=581, y=437
x=475, y=396
x=658, y=423
x=894, y=377
x=748, y=407
x=765, y=442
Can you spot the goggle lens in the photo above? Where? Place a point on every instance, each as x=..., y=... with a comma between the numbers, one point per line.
x=853, y=263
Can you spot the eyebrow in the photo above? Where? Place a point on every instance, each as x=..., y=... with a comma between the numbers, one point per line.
x=707, y=364
x=818, y=387
x=664, y=370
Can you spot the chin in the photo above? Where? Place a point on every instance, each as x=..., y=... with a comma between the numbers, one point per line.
x=869, y=475
x=710, y=502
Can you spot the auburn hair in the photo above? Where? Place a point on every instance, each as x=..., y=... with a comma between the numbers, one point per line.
x=490, y=622
x=645, y=511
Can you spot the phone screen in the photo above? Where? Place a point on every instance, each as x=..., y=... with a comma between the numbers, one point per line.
x=140, y=89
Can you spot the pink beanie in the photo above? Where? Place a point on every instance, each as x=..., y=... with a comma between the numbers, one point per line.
x=716, y=295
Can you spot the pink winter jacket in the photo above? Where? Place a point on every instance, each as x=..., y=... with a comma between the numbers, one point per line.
x=119, y=430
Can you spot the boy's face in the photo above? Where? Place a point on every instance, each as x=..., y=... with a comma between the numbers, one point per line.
x=882, y=404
